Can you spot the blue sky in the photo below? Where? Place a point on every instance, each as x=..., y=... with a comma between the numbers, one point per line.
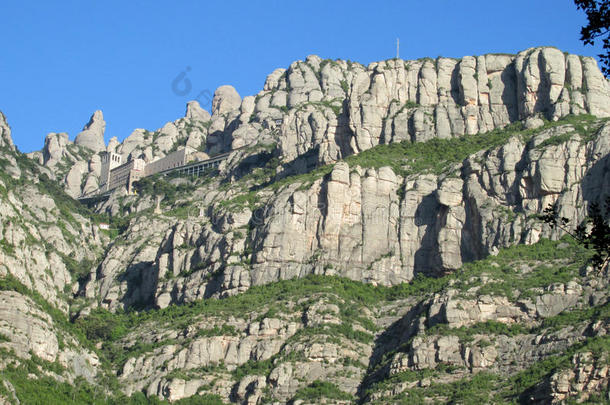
x=62, y=60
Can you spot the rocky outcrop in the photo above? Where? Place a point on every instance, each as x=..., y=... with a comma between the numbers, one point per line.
x=370, y=225
x=381, y=218
x=298, y=352
x=45, y=241
x=226, y=99
x=452, y=334
x=28, y=330
x=320, y=111
x=92, y=135
x=77, y=164
x=195, y=112
x=10, y=166
x=55, y=148
x=260, y=341
x=38, y=233
x=588, y=376
x=356, y=221
x=336, y=108
x=192, y=130
x=5, y=134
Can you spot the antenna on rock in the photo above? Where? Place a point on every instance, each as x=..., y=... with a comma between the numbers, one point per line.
x=397, y=48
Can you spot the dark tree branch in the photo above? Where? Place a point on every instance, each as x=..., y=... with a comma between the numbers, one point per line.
x=598, y=27
x=593, y=233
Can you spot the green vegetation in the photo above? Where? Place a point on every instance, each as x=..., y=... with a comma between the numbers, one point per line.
x=44, y=390
x=158, y=186
x=406, y=106
x=321, y=389
x=575, y=317
x=10, y=283
x=249, y=200
x=436, y=155
x=557, y=264
x=408, y=376
x=224, y=330
x=66, y=204
x=467, y=391
x=555, y=140
x=102, y=325
x=531, y=376
x=594, y=232
x=485, y=387
x=335, y=105
x=349, y=295
x=252, y=367
x=345, y=329
x=169, y=194
x=180, y=142
x=78, y=270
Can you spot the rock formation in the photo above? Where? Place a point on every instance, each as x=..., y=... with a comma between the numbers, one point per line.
x=367, y=224
x=44, y=245
x=92, y=135
x=372, y=237
x=6, y=140
x=319, y=111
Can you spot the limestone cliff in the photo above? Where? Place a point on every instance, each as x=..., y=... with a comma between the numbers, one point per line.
x=319, y=111
x=338, y=108
x=45, y=242
x=381, y=225
x=372, y=237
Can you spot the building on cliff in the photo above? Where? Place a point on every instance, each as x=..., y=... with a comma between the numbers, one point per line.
x=115, y=174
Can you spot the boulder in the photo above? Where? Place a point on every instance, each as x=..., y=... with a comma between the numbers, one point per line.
x=226, y=99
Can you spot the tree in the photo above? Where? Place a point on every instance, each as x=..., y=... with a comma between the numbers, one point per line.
x=598, y=16
x=593, y=233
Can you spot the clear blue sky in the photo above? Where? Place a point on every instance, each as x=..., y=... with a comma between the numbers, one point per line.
x=62, y=60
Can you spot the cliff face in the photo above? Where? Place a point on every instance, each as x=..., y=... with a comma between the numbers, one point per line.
x=365, y=223
x=320, y=111
x=45, y=243
x=340, y=108
x=372, y=237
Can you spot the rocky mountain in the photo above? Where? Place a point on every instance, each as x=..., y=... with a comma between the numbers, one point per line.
x=319, y=111
x=47, y=239
x=372, y=237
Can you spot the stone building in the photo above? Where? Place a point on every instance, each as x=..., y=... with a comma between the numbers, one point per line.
x=109, y=162
x=171, y=161
x=126, y=174
x=116, y=174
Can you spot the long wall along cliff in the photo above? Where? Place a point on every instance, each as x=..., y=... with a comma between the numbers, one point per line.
x=376, y=174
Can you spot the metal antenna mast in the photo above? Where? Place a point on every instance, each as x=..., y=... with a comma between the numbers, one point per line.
x=397, y=48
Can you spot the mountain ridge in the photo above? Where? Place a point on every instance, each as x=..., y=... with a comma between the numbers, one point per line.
x=350, y=108
x=397, y=262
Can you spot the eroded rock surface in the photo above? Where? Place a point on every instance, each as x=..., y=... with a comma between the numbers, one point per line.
x=367, y=224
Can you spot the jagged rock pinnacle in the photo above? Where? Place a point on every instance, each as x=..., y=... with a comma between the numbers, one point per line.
x=5, y=133
x=194, y=111
x=92, y=135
